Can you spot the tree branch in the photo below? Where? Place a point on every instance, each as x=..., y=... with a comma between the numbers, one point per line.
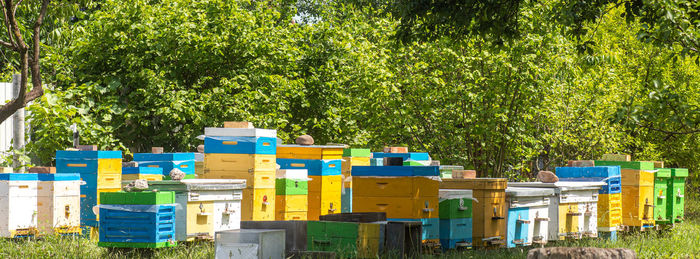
x=37, y=89
x=7, y=45
x=7, y=26
x=668, y=131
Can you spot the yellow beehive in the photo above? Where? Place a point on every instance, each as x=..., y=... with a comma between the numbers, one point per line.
x=239, y=162
x=327, y=183
x=637, y=198
x=107, y=165
x=258, y=204
x=309, y=152
x=609, y=210
x=256, y=179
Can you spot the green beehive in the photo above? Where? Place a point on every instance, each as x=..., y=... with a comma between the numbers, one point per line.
x=637, y=165
x=662, y=179
x=676, y=199
x=287, y=186
x=340, y=237
x=137, y=198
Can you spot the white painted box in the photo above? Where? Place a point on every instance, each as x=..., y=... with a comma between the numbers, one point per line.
x=58, y=203
x=18, y=204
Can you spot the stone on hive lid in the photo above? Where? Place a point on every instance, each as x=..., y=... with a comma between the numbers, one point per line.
x=547, y=177
x=305, y=140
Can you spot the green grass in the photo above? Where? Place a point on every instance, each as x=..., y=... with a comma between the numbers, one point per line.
x=683, y=241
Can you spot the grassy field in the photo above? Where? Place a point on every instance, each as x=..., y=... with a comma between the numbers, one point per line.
x=683, y=241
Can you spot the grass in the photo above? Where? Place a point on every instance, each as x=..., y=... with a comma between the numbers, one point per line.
x=683, y=241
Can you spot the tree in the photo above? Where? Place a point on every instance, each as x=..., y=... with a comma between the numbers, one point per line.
x=28, y=55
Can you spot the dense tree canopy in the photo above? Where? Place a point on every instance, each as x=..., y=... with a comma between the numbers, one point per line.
x=156, y=73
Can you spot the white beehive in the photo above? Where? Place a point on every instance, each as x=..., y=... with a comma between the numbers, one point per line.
x=58, y=203
x=18, y=204
x=573, y=210
x=535, y=226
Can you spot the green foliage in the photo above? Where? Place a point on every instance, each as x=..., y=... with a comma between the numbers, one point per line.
x=155, y=74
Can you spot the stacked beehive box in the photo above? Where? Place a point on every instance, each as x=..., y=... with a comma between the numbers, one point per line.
x=292, y=192
x=167, y=162
x=58, y=204
x=455, y=218
x=204, y=206
x=404, y=193
x=250, y=244
x=323, y=164
x=446, y=170
x=142, y=173
x=637, y=192
x=137, y=219
x=18, y=204
x=100, y=170
x=489, y=208
x=609, y=196
x=249, y=154
x=351, y=157
x=528, y=216
x=572, y=211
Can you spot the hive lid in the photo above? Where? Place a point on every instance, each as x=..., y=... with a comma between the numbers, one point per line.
x=163, y=157
x=18, y=177
x=356, y=152
x=197, y=185
x=679, y=172
x=137, y=198
x=59, y=177
x=662, y=172
x=64, y=154
x=394, y=171
x=446, y=194
x=638, y=165
x=562, y=185
x=528, y=192
x=293, y=173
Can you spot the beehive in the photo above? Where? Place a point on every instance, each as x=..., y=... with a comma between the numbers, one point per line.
x=609, y=199
x=208, y=205
x=351, y=157
x=662, y=178
x=489, y=208
x=677, y=191
x=18, y=204
x=404, y=193
x=167, y=162
x=142, y=173
x=637, y=198
x=248, y=154
x=324, y=166
x=58, y=204
x=528, y=216
x=573, y=210
x=339, y=237
x=137, y=219
x=455, y=218
x=292, y=194
x=100, y=170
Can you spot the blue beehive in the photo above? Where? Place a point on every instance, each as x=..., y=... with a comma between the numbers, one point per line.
x=139, y=220
x=168, y=161
x=240, y=145
x=376, y=161
x=455, y=232
x=314, y=167
x=395, y=171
